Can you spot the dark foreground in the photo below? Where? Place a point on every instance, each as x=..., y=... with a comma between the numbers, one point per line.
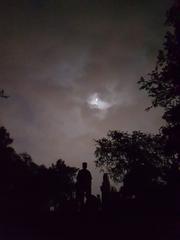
x=79, y=226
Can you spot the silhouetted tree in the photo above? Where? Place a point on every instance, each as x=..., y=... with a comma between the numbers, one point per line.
x=135, y=159
x=61, y=182
x=147, y=162
x=28, y=188
x=163, y=84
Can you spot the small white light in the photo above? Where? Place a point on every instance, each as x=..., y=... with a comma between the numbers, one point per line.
x=95, y=102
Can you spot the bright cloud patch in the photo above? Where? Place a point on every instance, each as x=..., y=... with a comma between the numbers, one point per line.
x=96, y=102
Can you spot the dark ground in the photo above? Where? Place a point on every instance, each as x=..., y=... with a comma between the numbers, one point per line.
x=53, y=226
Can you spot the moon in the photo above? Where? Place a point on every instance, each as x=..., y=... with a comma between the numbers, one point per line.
x=95, y=102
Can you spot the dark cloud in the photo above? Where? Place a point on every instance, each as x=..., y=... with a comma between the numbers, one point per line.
x=56, y=54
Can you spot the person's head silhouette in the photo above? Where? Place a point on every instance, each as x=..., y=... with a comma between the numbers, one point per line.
x=84, y=165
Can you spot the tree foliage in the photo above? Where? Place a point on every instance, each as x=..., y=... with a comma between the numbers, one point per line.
x=121, y=152
x=141, y=159
x=61, y=181
x=27, y=185
x=163, y=83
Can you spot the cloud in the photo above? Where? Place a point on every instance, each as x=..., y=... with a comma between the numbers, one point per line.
x=96, y=102
x=57, y=57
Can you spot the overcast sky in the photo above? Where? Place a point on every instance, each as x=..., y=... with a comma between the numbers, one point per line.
x=71, y=70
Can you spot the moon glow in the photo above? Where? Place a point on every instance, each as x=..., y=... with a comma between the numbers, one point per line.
x=95, y=102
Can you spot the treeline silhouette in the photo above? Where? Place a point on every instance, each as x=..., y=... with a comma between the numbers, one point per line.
x=148, y=179
x=38, y=202
x=148, y=176
x=27, y=187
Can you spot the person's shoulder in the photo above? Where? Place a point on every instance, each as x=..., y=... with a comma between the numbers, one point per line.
x=80, y=171
x=88, y=172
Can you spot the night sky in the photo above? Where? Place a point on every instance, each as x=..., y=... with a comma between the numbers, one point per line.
x=71, y=70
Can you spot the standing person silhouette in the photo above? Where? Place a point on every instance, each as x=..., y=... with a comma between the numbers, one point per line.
x=105, y=189
x=84, y=179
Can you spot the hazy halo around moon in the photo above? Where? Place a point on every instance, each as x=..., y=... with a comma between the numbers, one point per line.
x=95, y=102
